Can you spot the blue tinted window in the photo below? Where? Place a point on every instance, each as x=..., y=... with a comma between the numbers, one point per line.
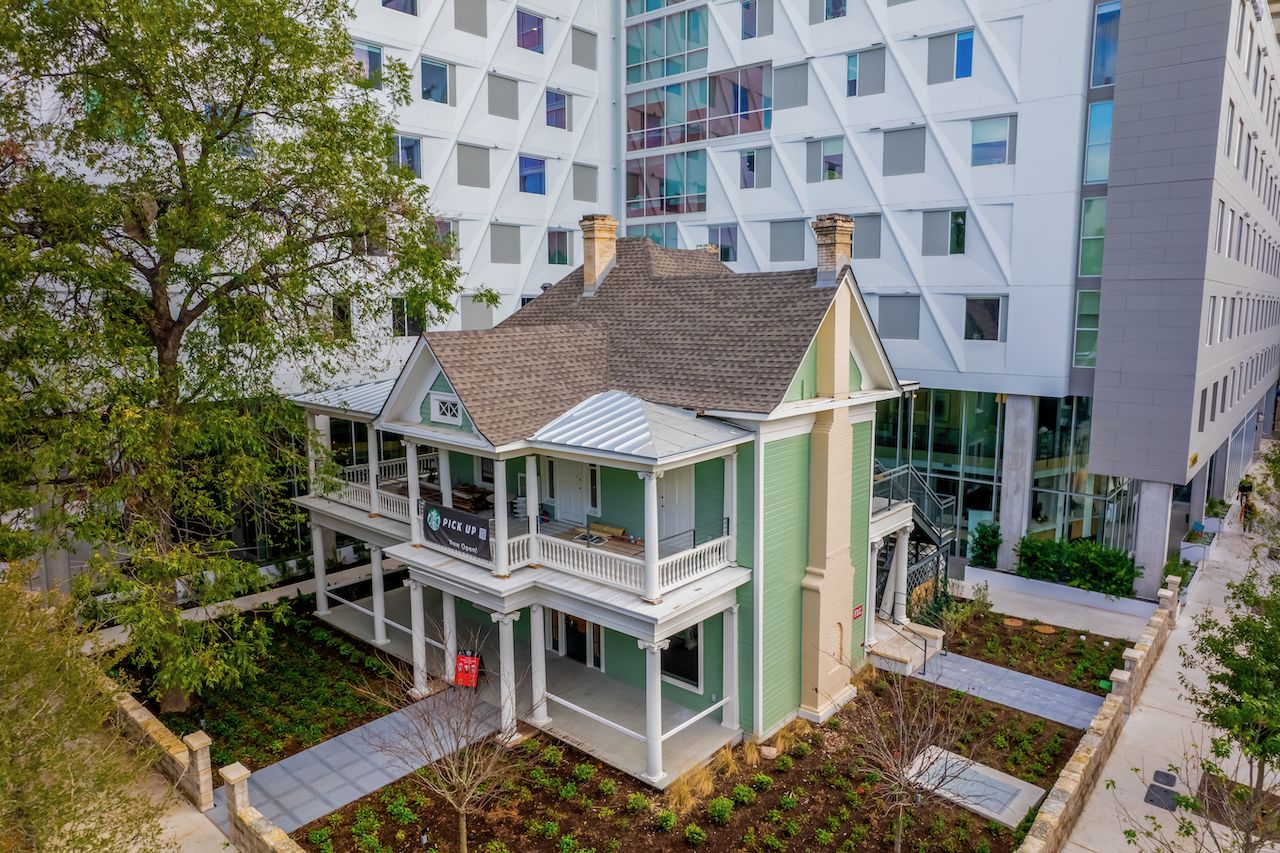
x=529, y=31
x=533, y=175
x=852, y=86
x=409, y=153
x=964, y=54
x=1106, y=34
x=557, y=109
x=749, y=11
x=409, y=6
x=1097, y=152
x=435, y=82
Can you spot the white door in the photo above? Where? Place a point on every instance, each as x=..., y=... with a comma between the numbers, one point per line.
x=675, y=508
x=571, y=491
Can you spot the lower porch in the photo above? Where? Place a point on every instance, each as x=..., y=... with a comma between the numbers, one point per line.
x=593, y=710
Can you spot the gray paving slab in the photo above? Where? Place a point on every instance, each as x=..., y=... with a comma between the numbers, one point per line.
x=293, y=792
x=1056, y=702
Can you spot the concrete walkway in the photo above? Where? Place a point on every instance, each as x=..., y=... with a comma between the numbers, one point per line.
x=183, y=827
x=293, y=792
x=1057, y=604
x=1047, y=699
x=1163, y=726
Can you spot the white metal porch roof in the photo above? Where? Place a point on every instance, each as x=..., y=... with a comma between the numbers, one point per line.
x=617, y=422
x=364, y=400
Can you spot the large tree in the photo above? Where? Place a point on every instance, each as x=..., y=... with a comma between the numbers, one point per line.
x=195, y=198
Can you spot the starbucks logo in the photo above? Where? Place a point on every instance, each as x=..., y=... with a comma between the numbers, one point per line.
x=433, y=519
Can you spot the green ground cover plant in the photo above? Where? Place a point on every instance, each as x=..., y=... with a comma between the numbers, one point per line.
x=1082, y=564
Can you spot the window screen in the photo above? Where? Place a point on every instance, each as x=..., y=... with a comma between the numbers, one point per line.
x=786, y=240
x=899, y=318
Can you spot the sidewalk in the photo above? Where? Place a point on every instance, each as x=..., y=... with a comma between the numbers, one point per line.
x=1047, y=699
x=184, y=827
x=1056, y=604
x=1162, y=726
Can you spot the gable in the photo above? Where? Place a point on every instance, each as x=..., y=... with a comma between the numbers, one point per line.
x=441, y=408
x=804, y=385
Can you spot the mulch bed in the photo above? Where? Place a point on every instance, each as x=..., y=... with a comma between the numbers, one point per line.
x=818, y=796
x=1061, y=656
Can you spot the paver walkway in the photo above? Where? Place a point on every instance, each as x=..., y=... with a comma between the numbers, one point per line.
x=293, y=792
x=1056, y=702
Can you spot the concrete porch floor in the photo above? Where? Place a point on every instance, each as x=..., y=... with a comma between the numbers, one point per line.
x=566, y=678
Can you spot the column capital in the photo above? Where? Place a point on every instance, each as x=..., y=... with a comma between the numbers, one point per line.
x=649, y=475
x=733, y=608
x=505, y=618
x=374, y=549
x=413, y=585
x=654, y=648
x=535, y=608
x=905, y=530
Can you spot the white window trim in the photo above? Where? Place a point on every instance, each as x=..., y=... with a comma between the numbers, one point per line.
x=593, y=471
x=555, y=627
x=546, y=483
x=681, y=683
x=479, y=463
x=438, y=397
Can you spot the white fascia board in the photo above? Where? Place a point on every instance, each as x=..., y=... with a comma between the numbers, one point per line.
x=429, y=436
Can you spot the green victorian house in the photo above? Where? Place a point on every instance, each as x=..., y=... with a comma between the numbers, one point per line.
x=647, y=497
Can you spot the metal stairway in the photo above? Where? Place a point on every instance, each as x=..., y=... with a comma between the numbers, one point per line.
x=931, y=538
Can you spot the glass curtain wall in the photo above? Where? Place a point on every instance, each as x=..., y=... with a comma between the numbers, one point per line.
x=953, y=438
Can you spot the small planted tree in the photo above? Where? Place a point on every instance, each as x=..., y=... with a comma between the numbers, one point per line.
x=985, y=545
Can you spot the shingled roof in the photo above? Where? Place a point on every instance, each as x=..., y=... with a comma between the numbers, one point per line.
x=669, y=326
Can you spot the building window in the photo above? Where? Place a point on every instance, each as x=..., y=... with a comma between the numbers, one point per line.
x=667, y=184
x=1106, y=36
x=904, y=151
x=740, y=101
x=669, y=45
x=747, y=169
x=409, y=153
x=1086, y=354
x=826, y=160
x=851, y=76
x=340, y=307
x=533, y=175
x=990, y=141
x=558, y=247
x=369, y=58
x=1097, y=149
x=435, y=81
x=964, y=54
x=557, y=109
x=1093, y=222
x=682, y=659
x=832, y=9
x=593, y=489
x=484, y=470
x=750, y=18
x=982, y=318
x=407, y=6
x=404, y=322
x=1213, y=321
x=529, y=31
x=445, y=409
x=899, y=318
x=866, y=236
x=664, y=234
x=950, y=57
x=943, y=232
x=1219, y=225
x=726, y=237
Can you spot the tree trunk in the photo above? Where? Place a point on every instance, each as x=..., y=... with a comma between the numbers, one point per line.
x=462, y=832
x=897, y=832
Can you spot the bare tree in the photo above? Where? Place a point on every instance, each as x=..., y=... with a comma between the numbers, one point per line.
x=450, y=744
x=906, y=735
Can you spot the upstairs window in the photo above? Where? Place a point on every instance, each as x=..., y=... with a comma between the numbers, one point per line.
x=950, y=57
x=369, y=58
x=557, y=109
x=982, y=318
x=409, y=153
x=726, y=237
x=533, y=175
x=991, y=141
x=1097, y=152
x=1106, y=37
x=435, y=81
x=558, y=247
x=404, y=322
x=529, y=31
x=409, y=7
x=445, y=409
x=1086, y=348
x=1093, y=222
x=750, y=18
x=754, y=168
x=832, y=9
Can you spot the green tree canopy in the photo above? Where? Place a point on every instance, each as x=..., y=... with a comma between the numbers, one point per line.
x=194, y=195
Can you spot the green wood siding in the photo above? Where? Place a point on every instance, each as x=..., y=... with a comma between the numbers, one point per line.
x=805, y=384
x=624, y=660
x=471, y=617
x=860, y=503
x=462, y=468
x=621, y=500
x=708, y=500
x=442, y=384
x=745, y=483
x=786, y=556
x=855, y=375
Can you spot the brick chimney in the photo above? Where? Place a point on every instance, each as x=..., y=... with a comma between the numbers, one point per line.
x=599, y=249
x=835, y=244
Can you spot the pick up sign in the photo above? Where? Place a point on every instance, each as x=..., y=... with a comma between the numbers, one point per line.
x=457, y=530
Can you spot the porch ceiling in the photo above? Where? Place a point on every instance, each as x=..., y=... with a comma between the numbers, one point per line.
x=606, y=605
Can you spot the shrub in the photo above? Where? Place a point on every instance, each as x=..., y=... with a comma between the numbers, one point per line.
x=568, y=791
x=801, y=750
x=720, y=809
x=784, y=763
x=984, y=544
x=788, y=801
x=1179, y=568
x=1081, y=564
x=584, y=772
x=791, y=828
x=607, y=787
x=664, y=821
x=543, y=828
x=567, y=844
x=552, y=756
x=773, y=842
x=762, y=781
x=694, y=835
x=824, y=837
x=493, y=845
x=743, y=795
x=637, y=803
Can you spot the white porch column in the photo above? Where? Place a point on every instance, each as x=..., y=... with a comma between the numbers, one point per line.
x=538, y=665
x=532, y=505
x=317, y=562
x=446, y=477
x=379, y=598
x=507, y=671
x=415, y=491
x=652, y=592
x=869, y=609
x=729, y=716
x=375, y=505
x=731, y=502
x=500, y=519
x=901, y=564
x=312, y=462
x=418, y=626
x=450, y=623
x=653, y=707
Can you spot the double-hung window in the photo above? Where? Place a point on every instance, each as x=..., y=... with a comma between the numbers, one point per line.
x=533, y=175
x=1106, y=37
x=992, y=141
x=1097, y=149
x=1086, y=346
x=529, y=31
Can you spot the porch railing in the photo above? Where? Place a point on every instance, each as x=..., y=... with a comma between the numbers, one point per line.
x=594, y=563
x=354, y=494
x=687, y=566
x=518, y=550
x=393, y=505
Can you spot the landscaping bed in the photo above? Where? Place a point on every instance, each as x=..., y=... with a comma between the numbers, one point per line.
x=817, y=795
x=1061, y=656
x=305, y=694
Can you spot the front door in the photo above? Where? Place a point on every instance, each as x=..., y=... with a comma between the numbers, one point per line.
x=675, y=509
x=571, y=491
x=575, y=638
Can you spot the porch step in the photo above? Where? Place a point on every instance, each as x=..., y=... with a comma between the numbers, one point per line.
x=903, y=649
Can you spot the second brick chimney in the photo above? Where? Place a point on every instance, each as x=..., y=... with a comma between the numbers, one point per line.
x=599, y=249
x=835, y=244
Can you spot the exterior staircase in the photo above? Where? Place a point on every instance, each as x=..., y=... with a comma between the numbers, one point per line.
x=904, y=649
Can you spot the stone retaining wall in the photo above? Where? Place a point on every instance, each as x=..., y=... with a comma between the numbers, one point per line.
x=185, y=761
x=250, y=831
x=1064, y=802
